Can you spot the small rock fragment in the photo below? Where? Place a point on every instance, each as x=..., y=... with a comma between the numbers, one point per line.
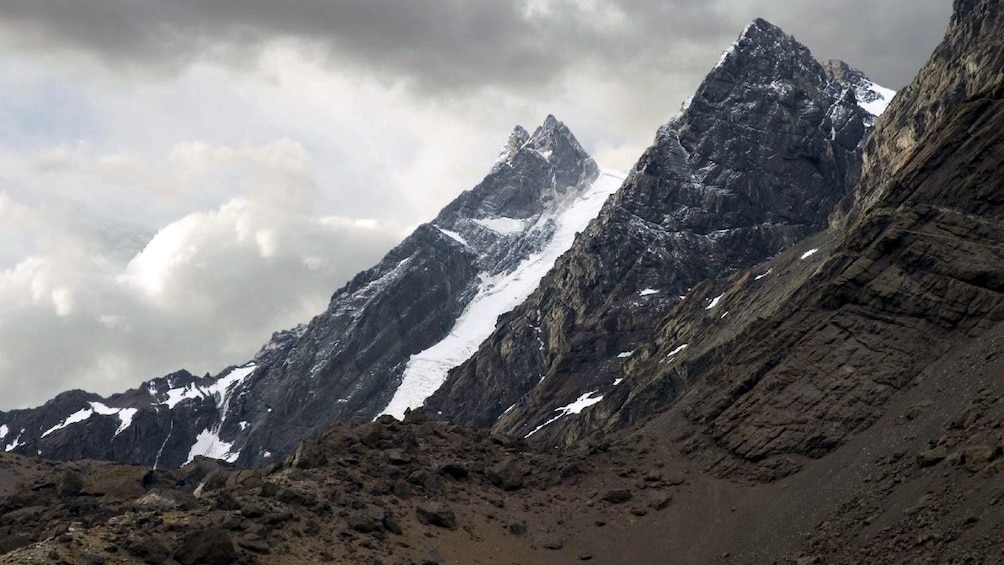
x=617, y=496
x=436, y=514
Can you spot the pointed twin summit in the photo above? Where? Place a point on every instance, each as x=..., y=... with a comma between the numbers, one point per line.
x=496, y=313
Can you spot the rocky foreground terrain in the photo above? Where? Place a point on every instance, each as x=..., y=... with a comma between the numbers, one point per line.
x=921, y=485
x=839, y=402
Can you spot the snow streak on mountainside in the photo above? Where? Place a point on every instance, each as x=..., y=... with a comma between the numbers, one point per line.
x=498, y=294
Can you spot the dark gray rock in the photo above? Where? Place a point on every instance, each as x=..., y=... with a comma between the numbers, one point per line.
x=551, y=542
x=211, y=546
x=617, y=496
x=147, y=548
x=436, y=514
x=507, y=474
x=517, y=528
x=766, y=148
x=931, y=456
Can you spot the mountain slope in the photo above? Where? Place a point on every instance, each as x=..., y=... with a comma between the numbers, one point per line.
x=755, y=162
x=383, y=344
x=820, y=342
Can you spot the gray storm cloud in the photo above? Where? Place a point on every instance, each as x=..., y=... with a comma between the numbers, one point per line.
x=451, y=44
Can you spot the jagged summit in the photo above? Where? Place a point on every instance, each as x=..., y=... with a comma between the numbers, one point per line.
x=517, y=140
x=763, y=32
x=552, y=141
x=531, y=172
x=761, y=51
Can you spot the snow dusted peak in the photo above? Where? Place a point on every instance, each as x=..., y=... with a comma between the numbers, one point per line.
x=761, y=51
x=553, y=134
x=552, y=140
x=551, y=152
x=569, y=161
x=517, y=140
x=871, y=97
x=763, y=32
x=840, y=71
x=532, y=172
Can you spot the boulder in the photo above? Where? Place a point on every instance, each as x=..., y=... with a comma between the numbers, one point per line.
x=617, y=496
x=507, y=475
x=931, y=456
x=436, y=514
x=977, y=457
x=211, y=546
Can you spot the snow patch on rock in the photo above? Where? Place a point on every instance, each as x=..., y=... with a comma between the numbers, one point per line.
x=577, y=406
x=209, y=444
x=504, y=226
x=715, y=301
x=16, y=443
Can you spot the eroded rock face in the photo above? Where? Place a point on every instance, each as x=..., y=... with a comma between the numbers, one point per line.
x=965, y=65
x=819, y=343
x=757, y=161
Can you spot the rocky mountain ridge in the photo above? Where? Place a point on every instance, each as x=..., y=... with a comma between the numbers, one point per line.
x=755, y=162
x=807, y=350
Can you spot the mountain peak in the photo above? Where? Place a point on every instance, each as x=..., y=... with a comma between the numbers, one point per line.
x=760, y=29
x=551, y=127
x=516, y=141
x=759, y=41
x=553, y=142
x=553, y=133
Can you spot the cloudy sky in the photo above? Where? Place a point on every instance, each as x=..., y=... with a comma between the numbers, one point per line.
x=180, y=178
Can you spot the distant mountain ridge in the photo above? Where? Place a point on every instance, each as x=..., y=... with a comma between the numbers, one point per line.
x=384, y=343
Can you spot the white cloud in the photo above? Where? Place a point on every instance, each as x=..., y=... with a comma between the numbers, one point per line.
x=206, y=290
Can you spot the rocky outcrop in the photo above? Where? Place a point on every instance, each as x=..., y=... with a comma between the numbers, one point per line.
x=820, y=341
x=755, y=162
x=965, y=65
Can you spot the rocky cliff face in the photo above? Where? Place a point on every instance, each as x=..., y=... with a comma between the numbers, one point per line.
x=966, y=64
x=808, y=350
x=384, y=342
x=755, y=162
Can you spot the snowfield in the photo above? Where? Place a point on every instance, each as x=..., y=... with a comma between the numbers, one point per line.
x=426, y=371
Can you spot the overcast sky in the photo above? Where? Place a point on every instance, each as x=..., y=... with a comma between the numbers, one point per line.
x=180, y=178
